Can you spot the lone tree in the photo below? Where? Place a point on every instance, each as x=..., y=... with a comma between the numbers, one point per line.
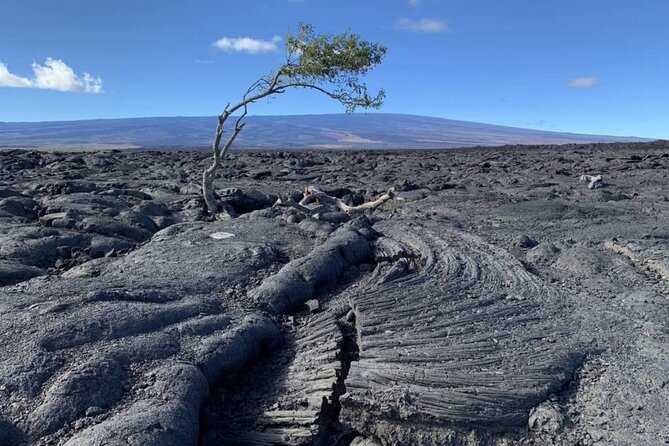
x=330, y=64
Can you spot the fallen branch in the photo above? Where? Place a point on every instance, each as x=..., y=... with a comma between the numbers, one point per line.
x=314, y=194
x=593, y=181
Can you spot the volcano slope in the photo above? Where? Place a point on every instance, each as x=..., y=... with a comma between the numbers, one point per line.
x=495, y=300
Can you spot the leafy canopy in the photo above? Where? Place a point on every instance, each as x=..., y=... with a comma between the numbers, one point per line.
x=333, y=63
x=330, y=64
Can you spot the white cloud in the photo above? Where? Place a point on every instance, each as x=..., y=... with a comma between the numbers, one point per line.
x=8, y=79
x=423, y=25
x=248, y=45
x=53, y=75
x=56, y=75
x=583, y=82
x=413, y=2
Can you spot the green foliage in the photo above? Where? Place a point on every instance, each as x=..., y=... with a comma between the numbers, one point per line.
x=332, y=64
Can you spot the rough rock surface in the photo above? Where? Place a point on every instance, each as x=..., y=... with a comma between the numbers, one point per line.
x=496, y=300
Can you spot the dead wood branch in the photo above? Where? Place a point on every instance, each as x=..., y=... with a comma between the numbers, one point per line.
x=593, y=181
x=313, y=194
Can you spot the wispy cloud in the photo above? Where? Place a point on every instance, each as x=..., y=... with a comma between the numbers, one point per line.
x=423, y=25
x=583, y=82
x=53, y=75
x=413, y=2
x=247, y=45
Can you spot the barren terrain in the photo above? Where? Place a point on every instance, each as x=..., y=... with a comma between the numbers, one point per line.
x=496, y=300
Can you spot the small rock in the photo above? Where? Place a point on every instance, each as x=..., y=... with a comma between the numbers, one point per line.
x=546, y=417
x=524, y=241
x=294, y=218
x=312, y=305
x=190, y=189
x=543, y=254
x=223, y=216
x=221, y=235
x=94, y=411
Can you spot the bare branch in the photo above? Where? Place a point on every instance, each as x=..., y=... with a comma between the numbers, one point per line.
x=239, y=126
x=304, y=85
x=313, y=193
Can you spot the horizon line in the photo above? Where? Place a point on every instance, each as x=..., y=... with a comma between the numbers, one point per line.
x=337, y=114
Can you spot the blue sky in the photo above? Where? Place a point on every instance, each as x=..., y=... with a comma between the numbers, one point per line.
x=587, y=66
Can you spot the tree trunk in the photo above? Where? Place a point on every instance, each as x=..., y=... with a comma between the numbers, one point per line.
x=209, y=174
x=208, y=187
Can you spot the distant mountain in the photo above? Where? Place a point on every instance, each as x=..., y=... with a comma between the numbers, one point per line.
x=372, y=131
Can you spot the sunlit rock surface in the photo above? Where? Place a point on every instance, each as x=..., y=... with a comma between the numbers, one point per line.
x=495, y=300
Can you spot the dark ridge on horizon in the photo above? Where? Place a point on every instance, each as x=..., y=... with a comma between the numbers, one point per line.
x=327, y=131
